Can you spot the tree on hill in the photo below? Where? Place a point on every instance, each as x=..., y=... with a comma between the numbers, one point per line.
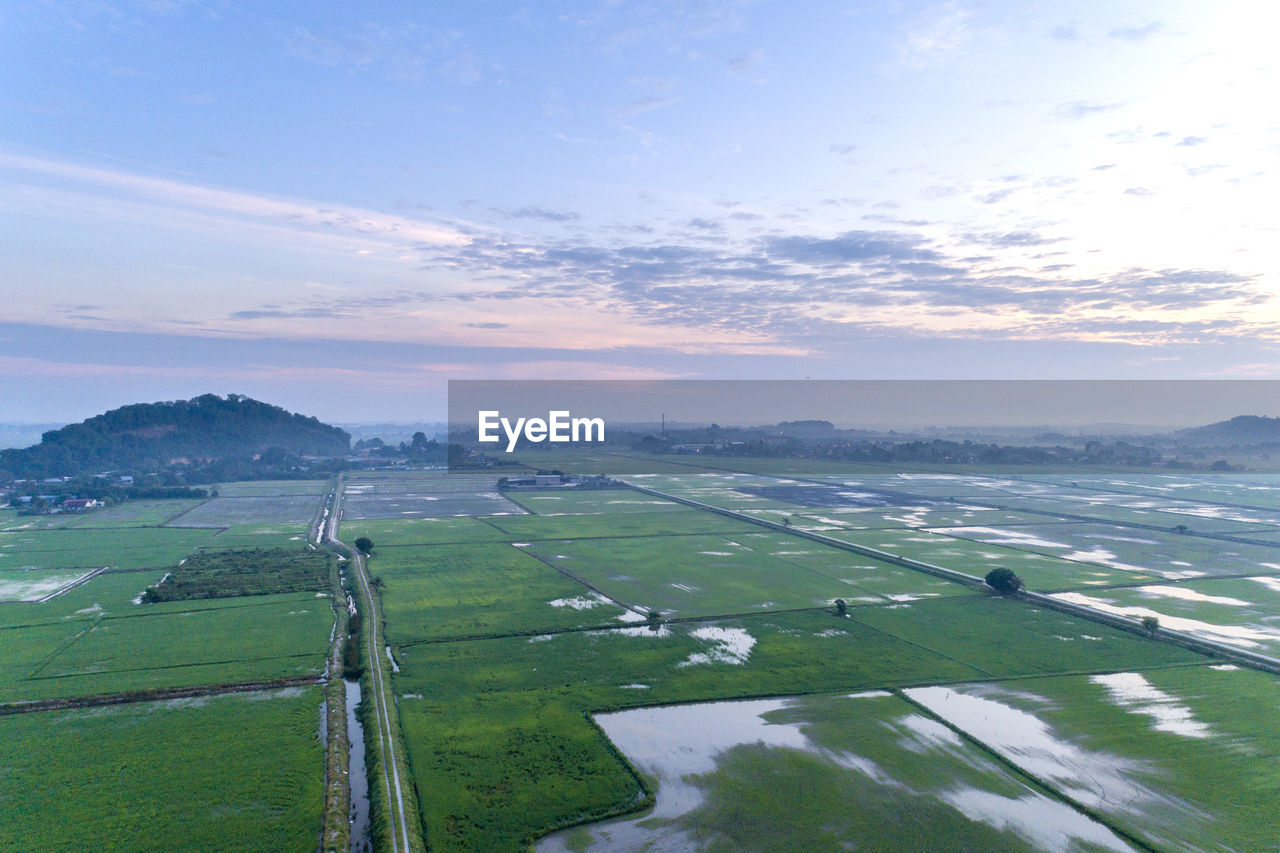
x=197, y=432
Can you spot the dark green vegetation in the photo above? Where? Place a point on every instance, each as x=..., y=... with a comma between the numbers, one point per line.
x=148, y=436
x=1003, y=580
x=235, y=572
x=238, y=772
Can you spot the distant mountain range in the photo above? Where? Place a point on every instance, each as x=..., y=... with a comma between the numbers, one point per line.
x=1243, y=430
x=150, y=436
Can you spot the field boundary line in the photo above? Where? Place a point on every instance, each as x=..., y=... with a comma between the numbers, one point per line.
x=158, y=694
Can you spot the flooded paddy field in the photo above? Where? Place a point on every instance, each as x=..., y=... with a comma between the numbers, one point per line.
x=237, y=772
x=863, y=771
x=499, y=727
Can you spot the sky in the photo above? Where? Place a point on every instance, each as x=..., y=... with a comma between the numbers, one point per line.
x=339, y=207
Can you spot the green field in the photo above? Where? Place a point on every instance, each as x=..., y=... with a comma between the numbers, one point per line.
x=512, y=630
x=240, y=772
x=119, y=548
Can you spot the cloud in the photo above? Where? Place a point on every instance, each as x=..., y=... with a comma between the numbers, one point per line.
x=934, y=39
x=645, y=104
x=244, y=208
x=1136, y=33
x=1083, y=109
x=747, y=66
x=536, y=213
x=1066, y=33
x=1189, y=141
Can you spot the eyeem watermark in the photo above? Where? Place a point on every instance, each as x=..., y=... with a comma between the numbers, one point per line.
x=560, y=427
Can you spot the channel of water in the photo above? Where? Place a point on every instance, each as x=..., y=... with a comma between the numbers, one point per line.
x=357, y=777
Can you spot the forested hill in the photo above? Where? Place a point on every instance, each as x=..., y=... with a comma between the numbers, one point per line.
x=149, y=436
x=1241, y=430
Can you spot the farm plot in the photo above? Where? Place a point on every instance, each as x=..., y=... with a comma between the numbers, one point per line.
x=425, y=499
x=422, y=531
x=876, y=518
x=677, y=522
x=1179, y=757
x=276, y=636
x=1260, y=490
x=240, y=772
x=1243, y=612
x=501, y=749
x=861, y=771
x=1038, y=571
x=493, y=725
x=590, y=502
x=260, y=536
x=112, y=593
x=1124, y=509
x=709, y=574
x=35, y=584
x=142, y=513
x=479, y=589
x=224, y=512
x=1006, y=638
x=120, y=548
x=1171, y=556
x=273, y=488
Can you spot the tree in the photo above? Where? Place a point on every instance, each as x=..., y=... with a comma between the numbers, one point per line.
x=364, y=545
x=1003, y=581
x=841, y=607
x=377, y=582
x=1150, y=625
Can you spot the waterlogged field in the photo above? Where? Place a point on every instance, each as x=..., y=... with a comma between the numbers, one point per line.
x=1179, y=757
x=866, y=770
x=512, y=630
x=237, y=772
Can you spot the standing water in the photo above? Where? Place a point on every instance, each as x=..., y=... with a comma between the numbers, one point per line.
x=357, y=778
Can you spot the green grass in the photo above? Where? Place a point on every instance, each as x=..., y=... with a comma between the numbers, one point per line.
x=422, y=531
x=272, y=488
x=110, y=593
x=472, y=590
x=139, y=513
x=684, y=520
x=743, y=572
x=233, y=773
x=263, y=638
x=123, y=548
x=292, y=536
x=226, y=511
